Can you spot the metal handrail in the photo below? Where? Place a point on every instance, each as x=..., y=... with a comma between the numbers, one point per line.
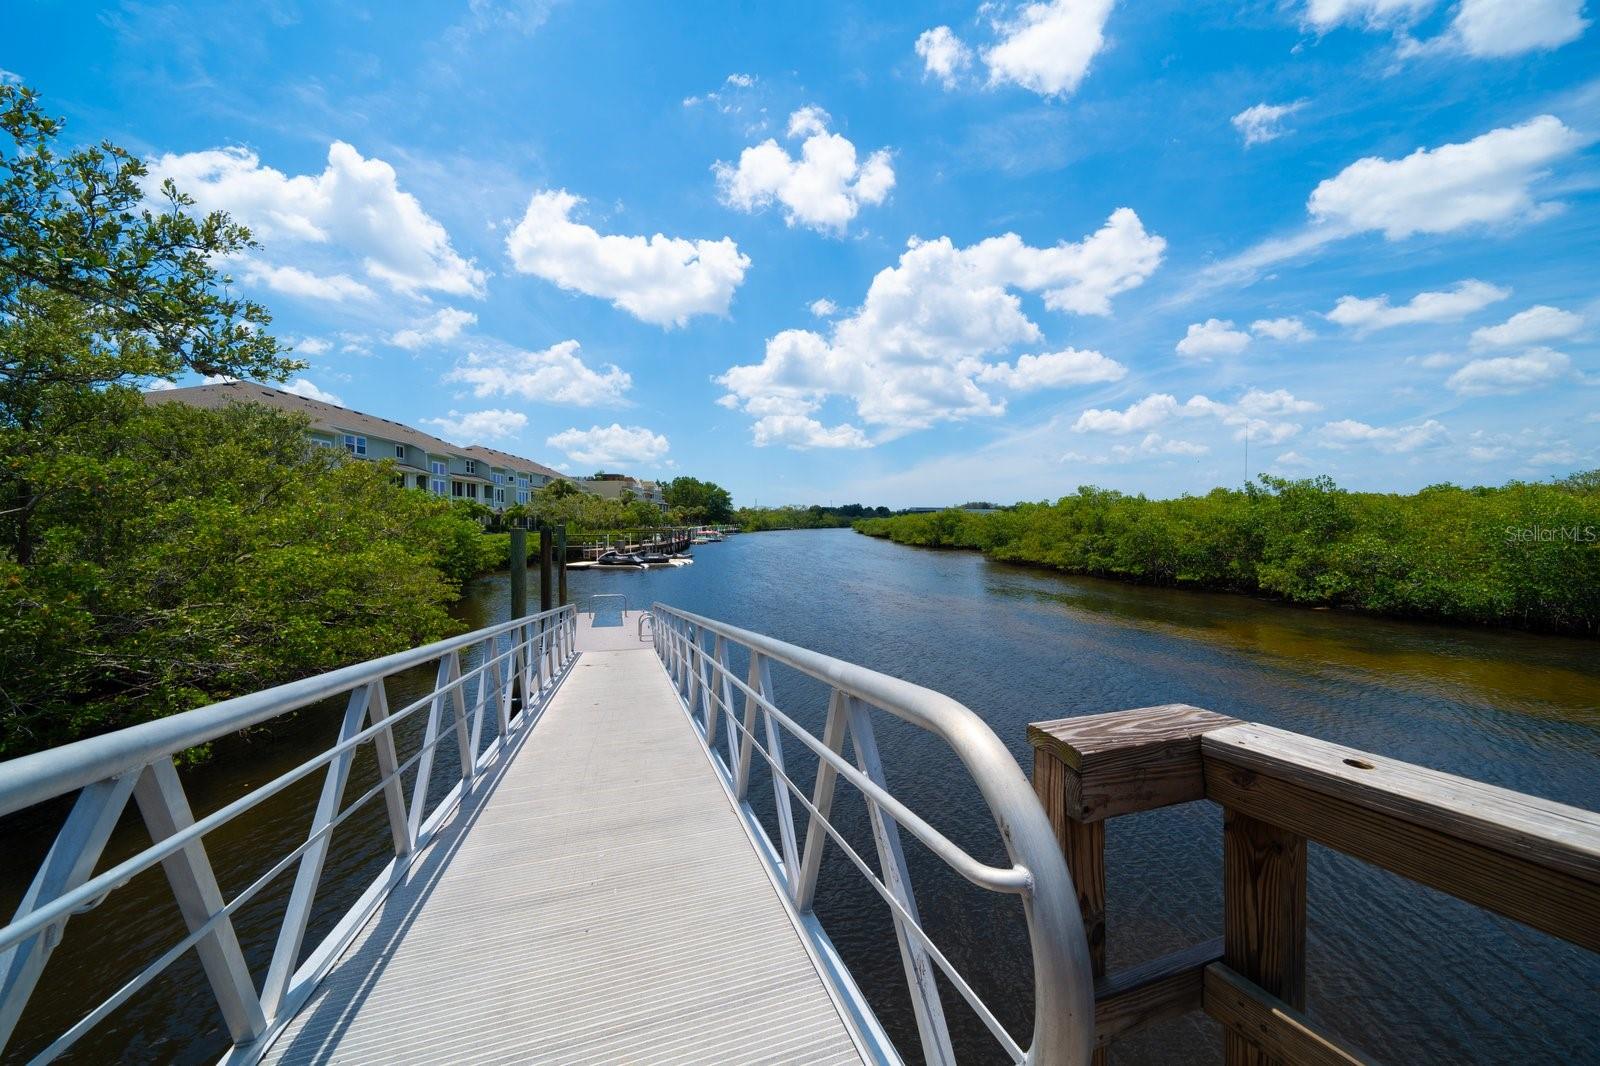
x=695, y=651
x=595, y=610
x=137, y=763
x=54, y=772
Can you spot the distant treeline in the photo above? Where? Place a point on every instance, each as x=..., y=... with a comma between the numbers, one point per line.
x=1524, y=555
x=755, y=519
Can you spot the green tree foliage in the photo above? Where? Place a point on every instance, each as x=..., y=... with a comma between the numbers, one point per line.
x=756, y=519
x=98, y=288
x=209, y=554
x=696, y=501
x=582, y=512
x=1525, y=555
x=154, y=558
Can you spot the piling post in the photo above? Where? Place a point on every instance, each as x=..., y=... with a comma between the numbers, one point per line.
x=561, y=550
x=546, y=578
x=1096, y=767
x=519, y=572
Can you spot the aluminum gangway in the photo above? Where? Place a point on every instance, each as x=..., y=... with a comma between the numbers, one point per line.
x=570, y=897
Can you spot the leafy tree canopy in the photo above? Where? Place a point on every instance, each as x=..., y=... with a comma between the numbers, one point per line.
x=698, y=501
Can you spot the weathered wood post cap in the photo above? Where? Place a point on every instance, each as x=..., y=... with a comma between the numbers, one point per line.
x=1129, y=761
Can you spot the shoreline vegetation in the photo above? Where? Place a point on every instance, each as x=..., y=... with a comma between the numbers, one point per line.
x=764, y=519
x=1522, y=555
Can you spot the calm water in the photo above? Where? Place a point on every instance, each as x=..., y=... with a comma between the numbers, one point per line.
x=1396, y=969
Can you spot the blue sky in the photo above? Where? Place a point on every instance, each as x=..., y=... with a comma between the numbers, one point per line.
x=901, y=255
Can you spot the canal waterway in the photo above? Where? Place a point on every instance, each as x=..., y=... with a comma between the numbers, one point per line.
x=1396, y=969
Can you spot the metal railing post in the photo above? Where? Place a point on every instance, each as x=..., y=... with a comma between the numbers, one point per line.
x=160, y=797
x=394, y=796
x=725, y=673
x=291, y=934
x=805, y=890
x=430, y=734
x=741, y=784
x=69, y=864
x=931, y=1025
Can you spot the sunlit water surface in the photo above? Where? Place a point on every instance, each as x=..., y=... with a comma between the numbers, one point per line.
x=1396, y=969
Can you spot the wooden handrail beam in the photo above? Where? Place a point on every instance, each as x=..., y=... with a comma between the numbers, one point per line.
x=1530, y=859
x=1269, y=1024
x=1141, y=995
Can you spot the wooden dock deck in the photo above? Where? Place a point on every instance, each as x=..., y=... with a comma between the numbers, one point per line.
x=600, y=902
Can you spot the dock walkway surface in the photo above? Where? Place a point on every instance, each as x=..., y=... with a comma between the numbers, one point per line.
x=599, y=901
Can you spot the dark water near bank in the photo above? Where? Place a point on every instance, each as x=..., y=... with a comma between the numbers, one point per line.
x=1397, y=970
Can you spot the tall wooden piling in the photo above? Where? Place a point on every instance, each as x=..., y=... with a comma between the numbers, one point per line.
x=546, y=578
x=519, y=573
x=561, y=552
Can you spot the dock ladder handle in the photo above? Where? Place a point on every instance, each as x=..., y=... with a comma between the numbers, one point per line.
x=695, y=651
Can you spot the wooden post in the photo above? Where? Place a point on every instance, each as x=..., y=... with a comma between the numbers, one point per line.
x=1084, y=845
x=1264, y=918
x=546, y=579
x=561, y=550
x=1088, y=769
x=519, y=572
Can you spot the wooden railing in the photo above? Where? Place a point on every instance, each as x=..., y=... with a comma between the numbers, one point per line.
x=1526, y=858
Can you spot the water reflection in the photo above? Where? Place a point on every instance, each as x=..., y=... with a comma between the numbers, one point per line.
x=1395, y=968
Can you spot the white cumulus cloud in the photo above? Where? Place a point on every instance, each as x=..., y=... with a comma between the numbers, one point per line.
x=1366, y=315
x=1214, y=336
x=920, y=349
x=661, y=280
x=292, y=281
x=1510, y=373
x=1048, y=47
x=1264, y=122
x=823, y=188
x=1045, y=47
x=1512, y=27
x=803, y=432
x=943, y=54
x=1281, y=329
x=441, y=327
x=1396, y=439
x=557, y=374
x=354, y=206
x=1495, y=29
x=1053, y=370
x=823, y=308
x=1263, y=415
x=1485, y=180
x=1538, y=323
x=302, y=387
x=471, y=426
x=1369, y=14
x=613, y=444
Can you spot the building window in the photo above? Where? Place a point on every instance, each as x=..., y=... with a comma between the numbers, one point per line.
x=354, y=444
x=399, y=451
x=500, y=497
x=422, y=481
x=457, y=489
x=472, y=490
x=472, y=466
x=437, y=481
x=319, y=442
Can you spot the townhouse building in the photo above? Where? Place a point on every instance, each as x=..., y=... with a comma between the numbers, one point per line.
x=612, y=487
x=423, y=461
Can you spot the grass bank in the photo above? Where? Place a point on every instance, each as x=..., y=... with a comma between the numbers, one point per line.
x=1521, y=555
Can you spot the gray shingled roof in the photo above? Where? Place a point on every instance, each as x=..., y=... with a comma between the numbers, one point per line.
x=495, y=457
x=331, y=418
